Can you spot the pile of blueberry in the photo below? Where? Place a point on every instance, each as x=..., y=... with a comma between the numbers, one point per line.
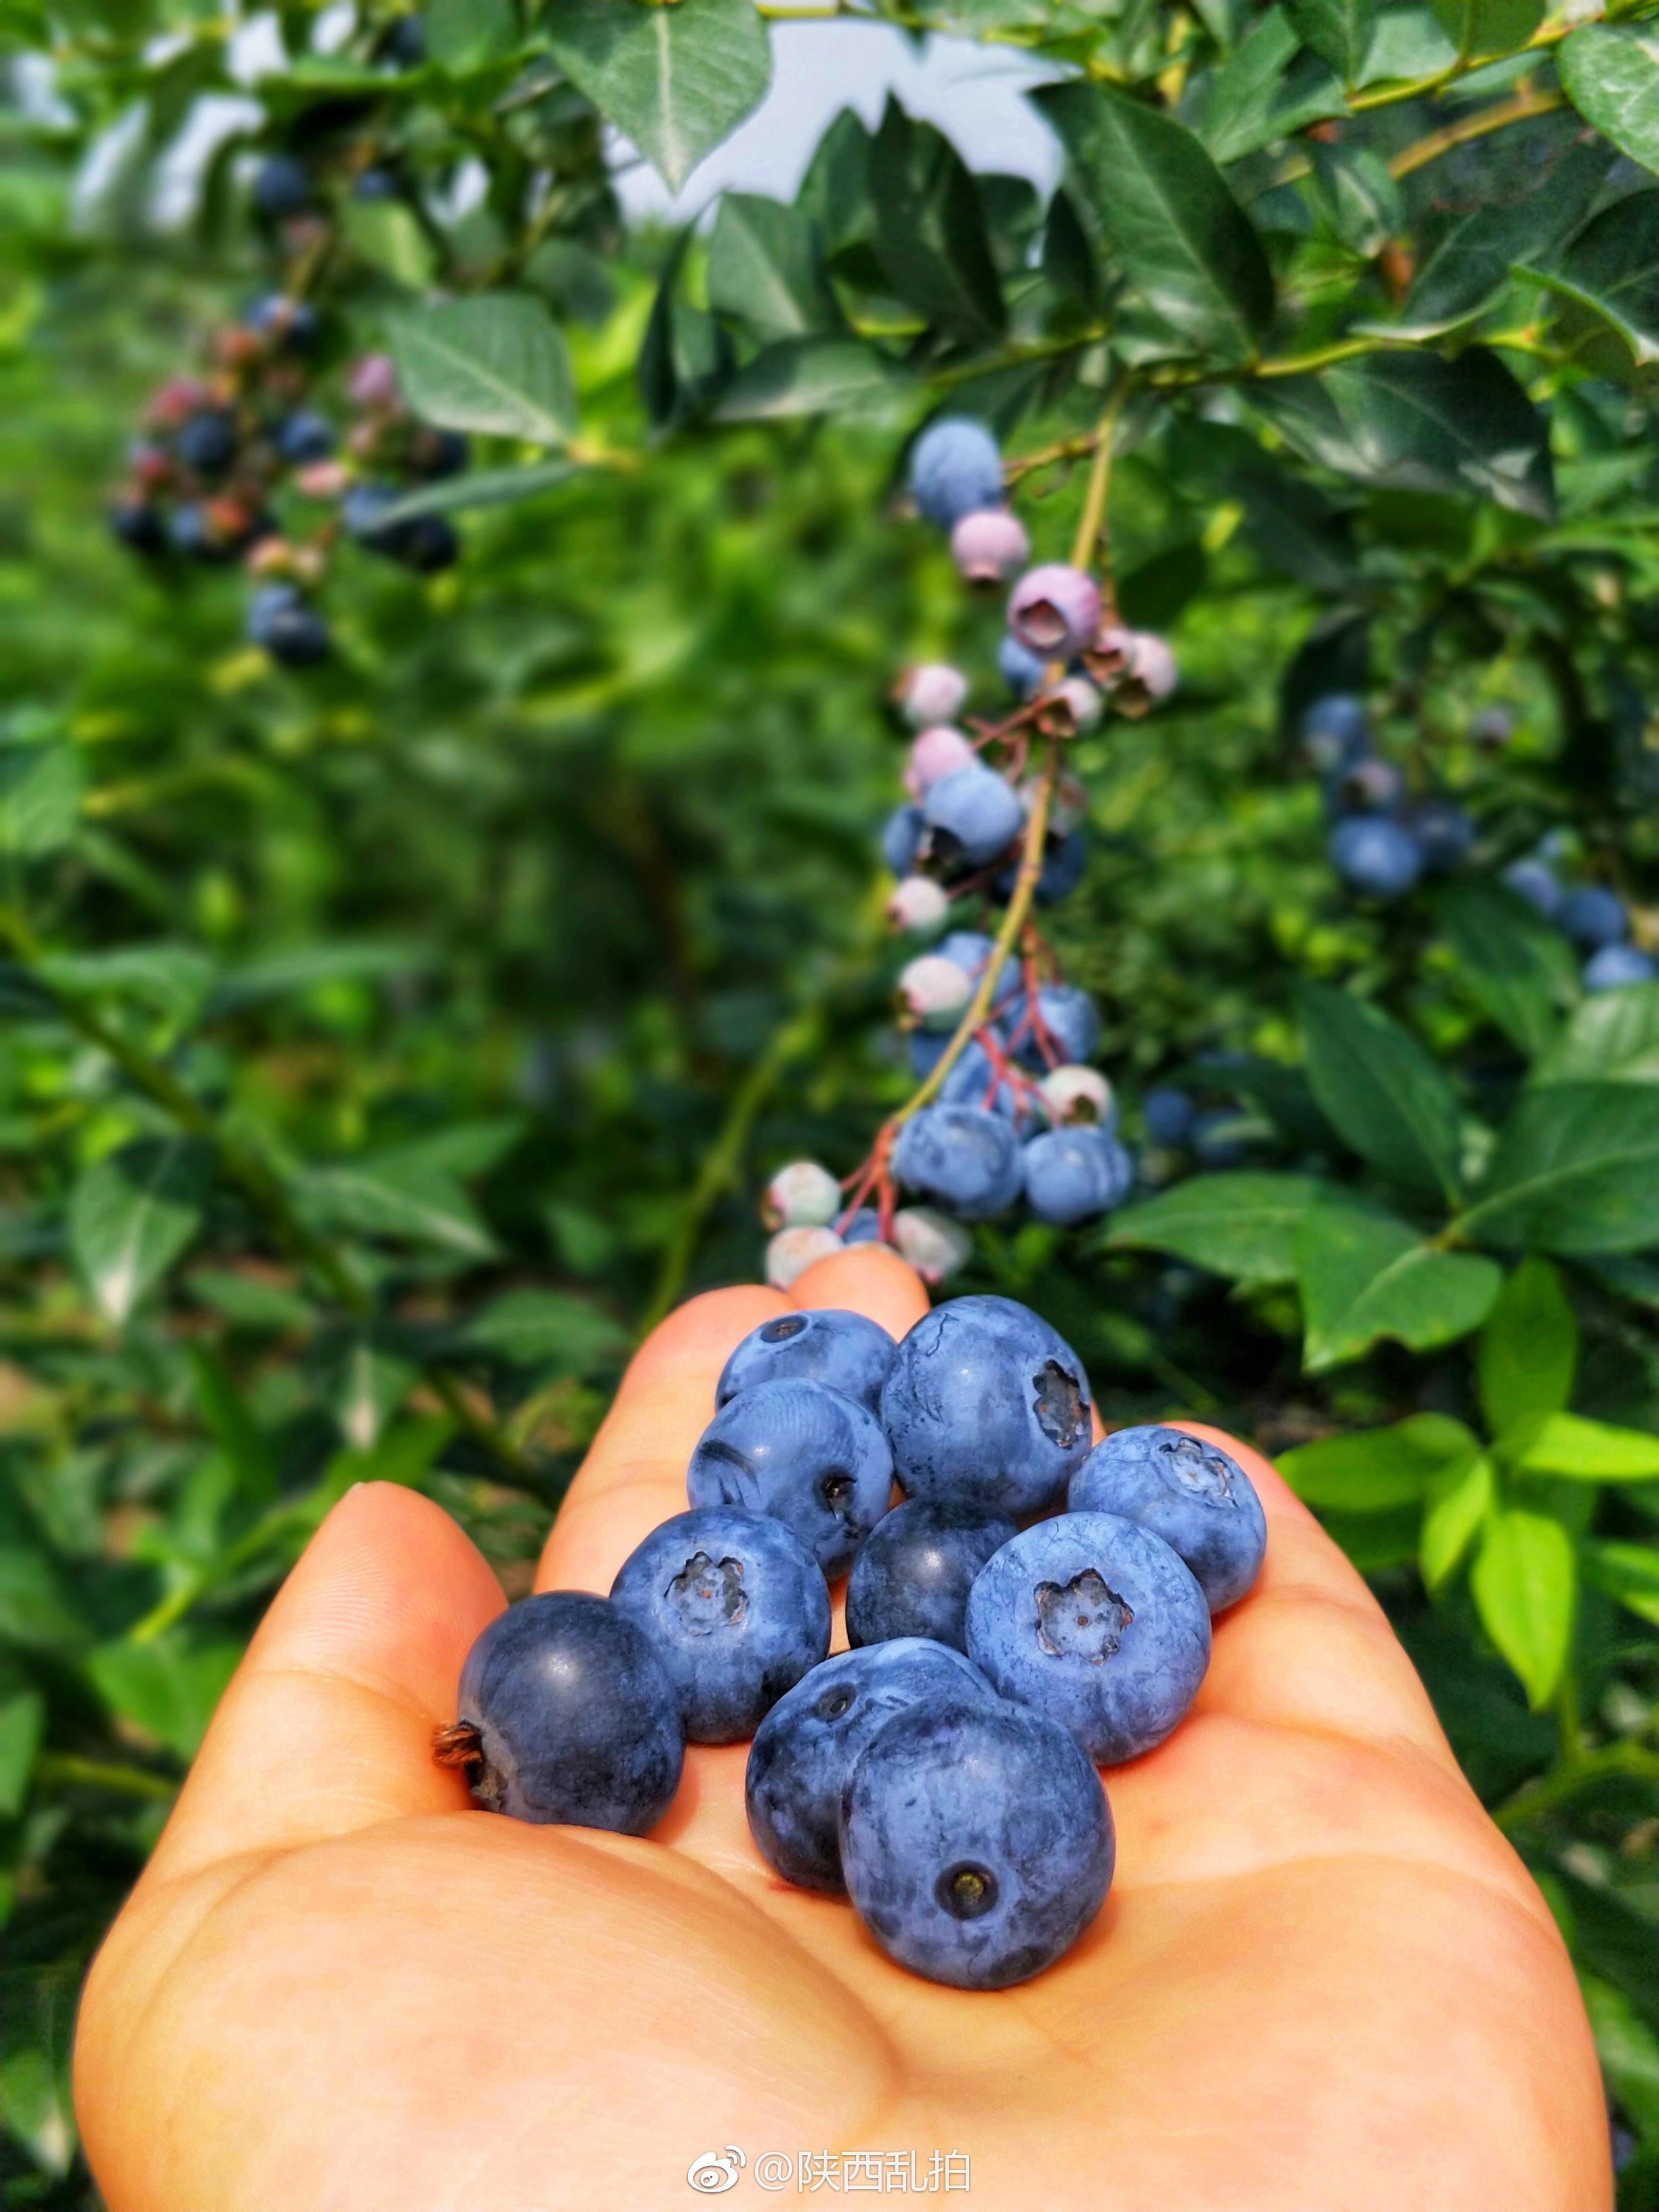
x=1382, y=841
x=215, y=450
x=1595, y=917
x=1017, y=1113
x=1034, y=1606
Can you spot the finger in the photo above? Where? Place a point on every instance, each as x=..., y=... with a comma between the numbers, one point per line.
x=1309, y=1646
x=634, y=1477
x=867, y=1279
x=326, y=1726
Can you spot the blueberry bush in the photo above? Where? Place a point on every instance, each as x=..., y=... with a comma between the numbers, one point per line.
x=446, y=639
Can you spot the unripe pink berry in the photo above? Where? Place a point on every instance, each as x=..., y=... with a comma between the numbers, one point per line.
x=1077, y=1094
x=933, y=991
x=988, y=547
x=271, y=556
x=373, y=381
x=935, y=752
x=1054, y=609
x=919, y=904
x=322, y=479
x=801, y=1195
x=934, y=1245
x=792, y=1251
x=1149, y=675
x=932, y=693
x=1070, y=708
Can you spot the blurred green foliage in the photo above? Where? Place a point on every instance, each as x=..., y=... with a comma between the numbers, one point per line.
x=383, y=1044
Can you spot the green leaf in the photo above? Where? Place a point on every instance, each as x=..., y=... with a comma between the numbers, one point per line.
x=1628, y=2050
x=1339, y=31
x=168, y=1687
x=389, y=235
x=232, y=1427
x=372, y=1383
x=1629, y=1572
x=1528, y=1351
x=1575, y=1169
x=545, y=1328
x=496, y=364
x=40, y=784
x=811, y=376
x=1363, y=1276
x=1524, y=1582
x=1476, y=259
x=173, y=979
x=1240, y=1226
x=1379, y=1089
x=766, y=268
x=1488, y=27
x=464, y=34
x=1608, y=267
x=1613, y=1036
x=481, y=488
x=1588, y=1451
x=133, y=1212
x=23, y=1717
x=1373, y=1470
x=1517, y=966
x=1458, y=1500
x=1415, y=421
x=408, y=1205
x=930, y=230
x=1611, y=74
x=675, y=79
x=1265, y=92
x=1359, y=198
x=1186, y=246
x=1406, y=42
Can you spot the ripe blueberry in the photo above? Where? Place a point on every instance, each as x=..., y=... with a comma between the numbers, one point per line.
x=304, y=437
x=291, y=629
x=207, y=442
x=1063, y=1027
x=971, y=817
x=901, y=839
x=1535, y=881
x=1193, y=1494
x=986, y=1406
x=567, y=1713
x=805, y=1748
x=1615, y=965
x=1073, y=1175
x=736, y=1611
x=1168, y=1115
x=1443, y=832
x=912, y=1575
x=1334, y=731
x=1375, y=856
x=962, y=1158
x=281, y=187
x=1020, y=669
x=820, y=1344
x=814, y=1457
x=1095, y=1623
x=977, y=1843
x=956, y=468
x=1594, y=916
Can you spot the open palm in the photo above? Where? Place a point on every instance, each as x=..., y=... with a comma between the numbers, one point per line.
x=1322, y=1978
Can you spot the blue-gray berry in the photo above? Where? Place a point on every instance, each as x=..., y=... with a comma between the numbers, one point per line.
x=804, y=1750
x=568, y=1714
x=1193, y=1494
x=819, y=1344
x=811, y=1455
x=977, y=1843
x=736, y=1609
x=987, y=1407
x=1095, y=1623
x=912, y=1575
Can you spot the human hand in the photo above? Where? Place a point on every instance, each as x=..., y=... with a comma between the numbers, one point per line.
x=1321, y=1979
